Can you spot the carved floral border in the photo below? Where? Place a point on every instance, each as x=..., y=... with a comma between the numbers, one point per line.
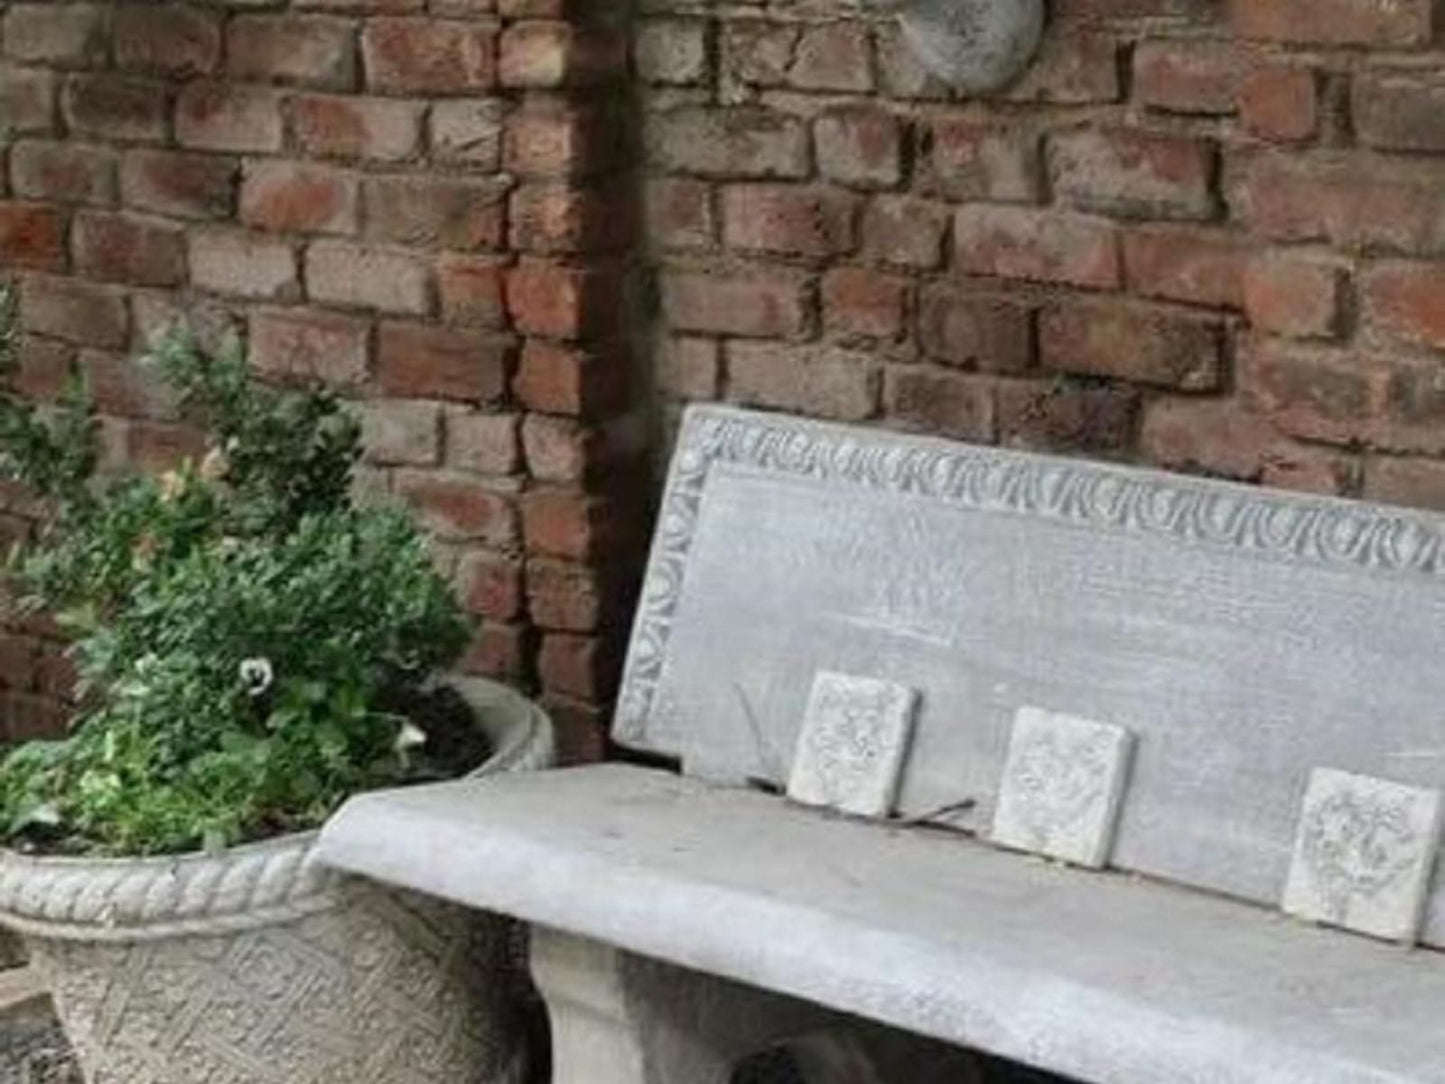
x=1186, y=509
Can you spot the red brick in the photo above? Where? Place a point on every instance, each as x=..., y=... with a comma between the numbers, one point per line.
x=672, y=51
x=304, y=343
x=689, y=368
x=240, y=264
x=484, y=443
x=1348, y=200
x=440, y=363
x=1017, y=243
x=75, y=311
x=29, y=97
x=499, y=652
x=791, y=220
x=178, y=184
x=61, y=173
x=400, y=432
x=172, y=40
x=864, y=303
x=1314, y=393
x=1074, y=68
x=859, y=146
x=680, y=213
x=123, y=248
x=446, y=212
x=115, y=108
x=468, y=131
x=581, y=728
x=905, y=230
x=561, y=449
x=33, y=717
x=583, y=666
x=757, y=51
x=562, y=523
x=1185, y=264
x=559, y=139
x=823, y=381
x=381, y=129
x=18, y=661
x=833, y=56
x=566, y=596
x=491, y=585
x=977, y=331
x=1197, y=77
x=456, y=506
x=549, y=217
x=42, y=367
x=364, y=276
x=303, y=50
x=949, y=404
x=69, y=35
x=563, y=302
x=1125, y=172
x=429, y=56
x=1400, y=111
x=1067, y=416
x=1418, y=483
x=121, y=386
x=1414, y=417
x=1334, y=22
x=288, y=197
x=471, y=289
x=743, y=142
x=1407, y=301
x=758, y=303
x=1130, y=341
x=1292, y=295
x=559, y=54
x=32, y=235
x=229, y=117
x=969, y=160
x=567, y=380
x=1280, y=102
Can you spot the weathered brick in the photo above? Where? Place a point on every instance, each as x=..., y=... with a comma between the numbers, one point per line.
x=420, y=361
x=1334, y=22
x=759, y=303
x=471, y=289
x=468, y=131
x=455, y=506
x=121, y=386
x=412, y=55
x=824, y=381
x=1418, y=483
x=491, y=584
x=1126, y=172
x=499, y=652
x=862, y=302
x=859, y=146
x=559, y=139
x=1280, y=102
x=63, y=172
x=905, y=230
x=115, y=108
x=1016, y=243
x=951, y=404
x=1075, y=68
x=563, y=302
x=241, y=264
x=303, y=50
x=563, y=449
x=179, y=184
x=1132, y=341
x=1407, y=301
x=431, y=211
x=569, y=380
x=365, y=276
x=1400, y=111
x=69, y=35
x=671, y=51
x=743, y=142
x=1314, y=393
x=560, y=217
x=680, y=213
x=290, y=197
x=305, y=343
x=584, y=666
x=1202, y=267
x=42, y=367
x=229, y=117
x=1067, y=416
x=32, y=235
x=380, y=129
x=27, y=99
x=689, y=368
x=399, y=432
x=549, y=54
x=969, y=160
x=976, y=331
x=485, y=443
x=124, y=248
x=75, y=311
x=757, y=52
x=1197, y=77
x=170, y=40
x=833, y=56
x=563, y=523
x=1298, y=296
x=795, y=220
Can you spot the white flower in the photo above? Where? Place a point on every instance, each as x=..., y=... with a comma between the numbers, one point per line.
x=410, y=736
x=257, y=675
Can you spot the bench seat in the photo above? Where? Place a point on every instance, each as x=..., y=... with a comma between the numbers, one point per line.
x=1104, y=977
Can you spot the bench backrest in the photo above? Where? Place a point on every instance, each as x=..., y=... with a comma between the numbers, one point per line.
x=1246, y=636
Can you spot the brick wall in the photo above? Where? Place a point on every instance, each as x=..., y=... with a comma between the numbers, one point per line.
x=1206, y=234
x=420, y=202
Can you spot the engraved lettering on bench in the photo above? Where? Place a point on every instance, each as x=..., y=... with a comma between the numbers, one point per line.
x=1364, y=854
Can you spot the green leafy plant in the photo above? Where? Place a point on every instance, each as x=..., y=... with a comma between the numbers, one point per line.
x=252, y=647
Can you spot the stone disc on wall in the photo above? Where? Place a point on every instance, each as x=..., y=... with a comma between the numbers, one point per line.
x=976, y=45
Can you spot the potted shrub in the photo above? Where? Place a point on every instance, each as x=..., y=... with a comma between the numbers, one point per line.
x=252, y=648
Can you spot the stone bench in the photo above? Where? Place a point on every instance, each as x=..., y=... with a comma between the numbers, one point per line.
x=1242, y=639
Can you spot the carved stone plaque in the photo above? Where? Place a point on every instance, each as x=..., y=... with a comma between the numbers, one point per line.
x=851, y=748
x=1364, y=854
x=1062, y=785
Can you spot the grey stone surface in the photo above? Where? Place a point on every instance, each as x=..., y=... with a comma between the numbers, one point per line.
x=976, y=45
x=1245, y=636
x=1102, y=978
x=1364, y=854
x=850, y=750
x=1062, y=786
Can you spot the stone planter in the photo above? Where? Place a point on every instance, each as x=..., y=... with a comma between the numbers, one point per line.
x=260, y=966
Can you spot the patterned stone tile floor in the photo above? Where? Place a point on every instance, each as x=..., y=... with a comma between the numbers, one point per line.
x=32, y=1048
